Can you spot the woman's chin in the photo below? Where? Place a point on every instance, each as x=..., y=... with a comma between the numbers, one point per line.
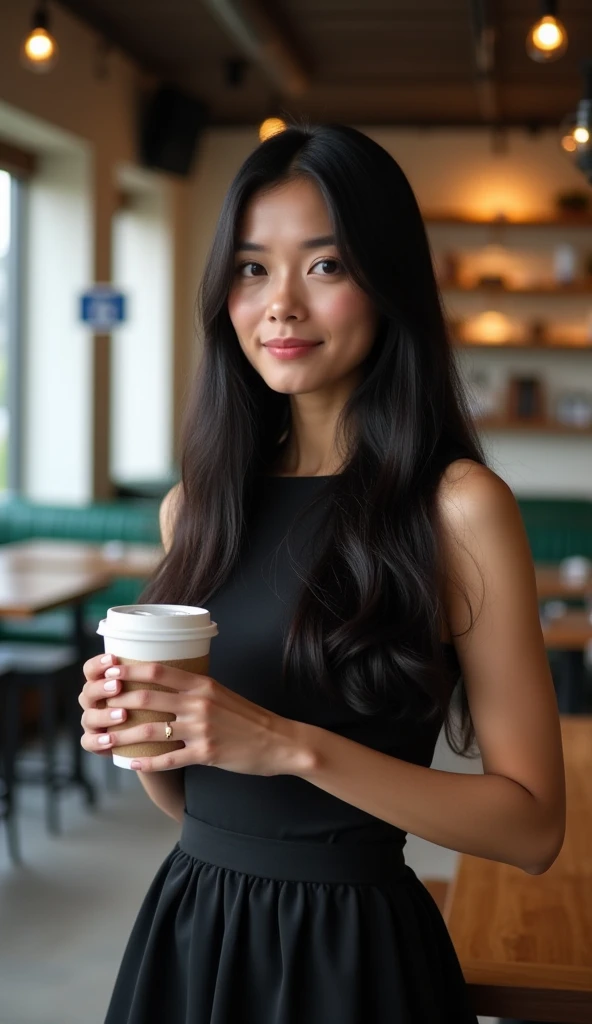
x=290, y=383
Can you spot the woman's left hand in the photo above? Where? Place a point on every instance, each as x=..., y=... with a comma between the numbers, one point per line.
x=217, y=726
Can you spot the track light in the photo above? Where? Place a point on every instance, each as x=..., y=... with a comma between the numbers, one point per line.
x=547, y=39
x=575, y=130
x=39, y=51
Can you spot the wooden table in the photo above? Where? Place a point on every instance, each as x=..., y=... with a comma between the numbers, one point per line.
x=550, y=583
x=25, y=593
x=113, y=559
x=39, y=575
x=525, y=941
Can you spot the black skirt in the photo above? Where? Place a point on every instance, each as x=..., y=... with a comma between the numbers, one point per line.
x=238, y=929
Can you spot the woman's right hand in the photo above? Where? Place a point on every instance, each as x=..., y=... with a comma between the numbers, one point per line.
x=97, y=720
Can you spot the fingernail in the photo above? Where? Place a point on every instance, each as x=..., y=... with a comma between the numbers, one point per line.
x=111, y=687
x=104, y=739
x=113, y=671
x=118, y=713
x=107, y=659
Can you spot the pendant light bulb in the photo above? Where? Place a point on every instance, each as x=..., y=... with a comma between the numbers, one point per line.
x=39, y=51
x=547, y=39
x=271, y=126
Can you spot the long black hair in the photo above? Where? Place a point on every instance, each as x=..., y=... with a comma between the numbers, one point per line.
x=367, y=623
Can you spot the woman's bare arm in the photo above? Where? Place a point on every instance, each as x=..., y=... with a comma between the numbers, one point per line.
x=515, y=811
x=167, y=789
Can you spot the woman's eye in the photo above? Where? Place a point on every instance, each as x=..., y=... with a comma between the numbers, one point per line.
x=335, y=263
x=335, y=267
x=242, y=266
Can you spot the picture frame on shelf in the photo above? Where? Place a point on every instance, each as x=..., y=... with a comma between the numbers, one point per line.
x=526, y=399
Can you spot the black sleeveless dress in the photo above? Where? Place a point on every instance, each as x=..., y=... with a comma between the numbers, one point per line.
x=282, y=904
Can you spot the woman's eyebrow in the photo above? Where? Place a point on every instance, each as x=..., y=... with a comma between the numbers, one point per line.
x=309, y=243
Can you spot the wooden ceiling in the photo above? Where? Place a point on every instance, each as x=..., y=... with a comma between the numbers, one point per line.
x=389, y=62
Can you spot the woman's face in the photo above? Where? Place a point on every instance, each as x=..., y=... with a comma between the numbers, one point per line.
x=290, y=283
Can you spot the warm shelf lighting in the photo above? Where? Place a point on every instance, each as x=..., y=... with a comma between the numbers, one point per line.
x=547, y=39
x=271, y=126
x=39, y=52
x=490, y=328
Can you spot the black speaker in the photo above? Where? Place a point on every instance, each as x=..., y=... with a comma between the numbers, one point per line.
x=170, y=125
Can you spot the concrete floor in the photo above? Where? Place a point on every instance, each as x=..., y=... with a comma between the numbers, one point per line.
x=66, y=914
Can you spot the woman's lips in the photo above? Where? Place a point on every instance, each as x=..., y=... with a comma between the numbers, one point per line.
x=292, y=351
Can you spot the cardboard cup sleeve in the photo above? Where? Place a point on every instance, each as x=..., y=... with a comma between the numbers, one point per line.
x=136, y=716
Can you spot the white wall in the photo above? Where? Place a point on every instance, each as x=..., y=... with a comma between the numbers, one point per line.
x=142, y=348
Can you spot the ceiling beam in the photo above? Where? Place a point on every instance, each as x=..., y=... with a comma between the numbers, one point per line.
x=484, y=36
x=389, y=119
x=261, y=39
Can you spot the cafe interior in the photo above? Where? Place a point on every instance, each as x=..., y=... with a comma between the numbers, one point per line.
x=121, y=127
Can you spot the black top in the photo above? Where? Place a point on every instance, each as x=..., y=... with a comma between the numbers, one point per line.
x=244, y=920
x=253, y=609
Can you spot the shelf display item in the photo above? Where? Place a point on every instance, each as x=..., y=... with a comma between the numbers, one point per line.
x=481, y=395
x=564, y=264
x=538, y=332
x=526, y=398
x=575, y=409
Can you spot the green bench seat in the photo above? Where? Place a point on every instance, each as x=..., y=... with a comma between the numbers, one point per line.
x=556, y=528
x=129, y=520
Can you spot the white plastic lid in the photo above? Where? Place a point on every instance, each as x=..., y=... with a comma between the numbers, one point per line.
x=157, y=622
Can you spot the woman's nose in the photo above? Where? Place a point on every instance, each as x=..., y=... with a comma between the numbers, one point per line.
x=285, y=302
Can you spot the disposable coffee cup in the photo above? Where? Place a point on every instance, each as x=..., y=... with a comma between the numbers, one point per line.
x=172, y=634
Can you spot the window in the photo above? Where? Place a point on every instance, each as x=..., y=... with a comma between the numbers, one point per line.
x=10, y=204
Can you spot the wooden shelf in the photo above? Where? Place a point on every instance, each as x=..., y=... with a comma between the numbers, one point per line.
x=579, y=221
x=534, y=427
x=529, y=346
x=568, y=290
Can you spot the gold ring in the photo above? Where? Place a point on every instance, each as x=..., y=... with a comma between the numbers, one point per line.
x=168, y=731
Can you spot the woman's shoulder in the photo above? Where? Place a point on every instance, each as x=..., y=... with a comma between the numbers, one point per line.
x=469, y=493
x=167, y=515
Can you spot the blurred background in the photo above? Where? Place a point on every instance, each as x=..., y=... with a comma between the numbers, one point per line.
x=121, y=127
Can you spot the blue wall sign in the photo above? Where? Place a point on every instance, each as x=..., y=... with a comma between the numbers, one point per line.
x=102, y=307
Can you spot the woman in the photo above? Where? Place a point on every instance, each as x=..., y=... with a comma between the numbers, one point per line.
x=337, y=518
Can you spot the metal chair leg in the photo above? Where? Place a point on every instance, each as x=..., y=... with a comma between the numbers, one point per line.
x=10, y=724
x=73, y=715
x=48, y=688
x=570, y=683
